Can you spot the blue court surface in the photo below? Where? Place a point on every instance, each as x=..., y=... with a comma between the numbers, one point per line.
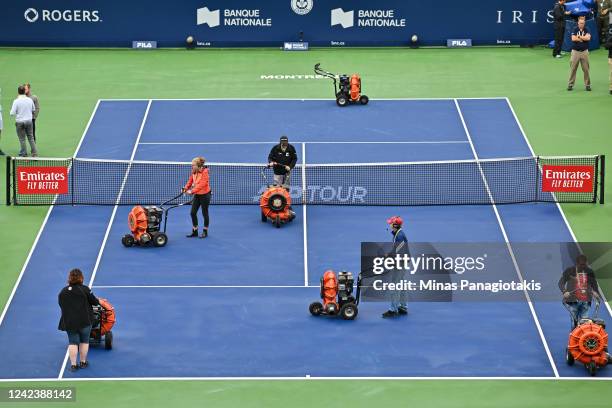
x=236, y=304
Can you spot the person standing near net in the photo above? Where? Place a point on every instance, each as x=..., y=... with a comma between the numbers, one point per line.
x=400, y=246
x=34, y=98
x=580, y=54
x=1, y=125
x=23, y=109
x=282, y=159
x=579, y=288
x=198, y=185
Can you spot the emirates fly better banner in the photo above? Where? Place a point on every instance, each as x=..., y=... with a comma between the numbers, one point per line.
x=567, y=179
x=42, y=180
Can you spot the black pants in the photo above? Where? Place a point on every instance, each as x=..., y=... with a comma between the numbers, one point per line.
x=34, y=128
x=202, y=200
x=559, y=37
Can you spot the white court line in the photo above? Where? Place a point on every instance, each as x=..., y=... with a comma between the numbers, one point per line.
x=567, y=224
x=319, y=142
x=503, y=230
x=44, y=223
x=202, y=286
x=112, y=218
x=304, y=215
x=304, y=378
x=297, y=99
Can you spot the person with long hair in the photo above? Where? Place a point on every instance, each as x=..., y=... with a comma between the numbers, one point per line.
x=198, y=185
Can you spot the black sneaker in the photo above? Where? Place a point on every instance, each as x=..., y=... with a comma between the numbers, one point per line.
x=204, y=233
x=610, y=91
x=4, y=154
x=83, y=364
x=73, y=368
x=389, y=313
x=588, y=88
x=570, y=87
x=402, y=311
x=194, y=233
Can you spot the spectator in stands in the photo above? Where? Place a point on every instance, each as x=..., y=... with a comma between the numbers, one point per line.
x=559, y=14
x=22, y=109
x=603, y=17
x=34, y=99
x=76, y=300
x=580, y=54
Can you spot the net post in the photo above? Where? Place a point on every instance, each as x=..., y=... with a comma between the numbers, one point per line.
x=537, y=184
x=72, y=177
x=13, y=183
x=8, y=180
x=602, y=178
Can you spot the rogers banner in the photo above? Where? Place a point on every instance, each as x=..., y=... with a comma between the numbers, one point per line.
x=42, y=180
x=220, y=23
x=567, y=179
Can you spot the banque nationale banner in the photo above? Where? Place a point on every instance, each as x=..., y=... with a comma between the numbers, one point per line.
x=218, y=23
x=474, y=272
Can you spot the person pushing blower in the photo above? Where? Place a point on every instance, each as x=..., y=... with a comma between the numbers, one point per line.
x=282, y=159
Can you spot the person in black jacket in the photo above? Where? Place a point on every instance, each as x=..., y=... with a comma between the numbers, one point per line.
x=579, y=288
x=282, y=159
x=76, y=300
x=559, y=14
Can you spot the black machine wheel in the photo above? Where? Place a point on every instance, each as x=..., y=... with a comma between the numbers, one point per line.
x=277, y=222
x=342, y=100
x=364, y=100
x=592, y=368
x=569, y=358
x=349, y=311
x=279, y=200
x=108, y=340
x=315, y=308
x=127, y=240
x=160, y=239
x=263, y=217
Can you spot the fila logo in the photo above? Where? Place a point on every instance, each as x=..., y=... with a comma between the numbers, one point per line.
x=206, y=16
x=344, y=18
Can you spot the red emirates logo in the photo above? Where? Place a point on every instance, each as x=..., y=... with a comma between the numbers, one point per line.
x=567, y=179
x=42, y=180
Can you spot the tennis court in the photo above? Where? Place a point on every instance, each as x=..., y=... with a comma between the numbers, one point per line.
x=235, y=305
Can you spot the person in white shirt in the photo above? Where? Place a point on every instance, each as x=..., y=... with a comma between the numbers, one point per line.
x=22, y=110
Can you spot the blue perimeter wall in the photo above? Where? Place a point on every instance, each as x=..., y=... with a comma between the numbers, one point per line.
x=116, y=23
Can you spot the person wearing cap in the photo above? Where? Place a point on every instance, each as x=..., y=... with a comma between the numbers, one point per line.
x=400, y=246
x=282, y=159
x=198, y=185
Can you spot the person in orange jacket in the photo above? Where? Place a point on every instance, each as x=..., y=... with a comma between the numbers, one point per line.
x=198, y=185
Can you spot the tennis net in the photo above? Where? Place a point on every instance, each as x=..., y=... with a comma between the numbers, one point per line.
x=79, y=181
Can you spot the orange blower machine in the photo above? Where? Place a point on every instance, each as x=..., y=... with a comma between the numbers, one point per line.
x=104, y=320
x=588, y=344
x=337, y=296
x=346, y=88
x=275, y=203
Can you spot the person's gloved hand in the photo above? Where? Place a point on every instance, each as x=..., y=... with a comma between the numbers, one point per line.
x=287, y=168
x=566, y=295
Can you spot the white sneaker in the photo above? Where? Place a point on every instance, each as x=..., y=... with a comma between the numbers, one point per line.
x=558, y=56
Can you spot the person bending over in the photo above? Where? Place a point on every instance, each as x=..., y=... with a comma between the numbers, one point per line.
x=579, y=287
x=198, y=185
